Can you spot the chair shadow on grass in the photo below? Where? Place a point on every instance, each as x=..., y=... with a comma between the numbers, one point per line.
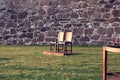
x=73, y=54
x=4, y=59
x=114, y=74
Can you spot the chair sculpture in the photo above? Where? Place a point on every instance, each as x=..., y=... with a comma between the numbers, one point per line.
x=53, y=45
x=66, y=45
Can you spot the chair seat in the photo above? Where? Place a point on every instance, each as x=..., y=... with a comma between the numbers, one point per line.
x=52, y=42
x=60, y=42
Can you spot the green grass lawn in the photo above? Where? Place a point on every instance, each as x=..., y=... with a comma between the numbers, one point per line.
x=28, y=63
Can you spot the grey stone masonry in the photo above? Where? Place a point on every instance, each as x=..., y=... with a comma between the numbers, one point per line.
x=37, y=22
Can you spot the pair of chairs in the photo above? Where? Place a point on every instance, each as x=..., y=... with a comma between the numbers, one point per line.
x=63, y=44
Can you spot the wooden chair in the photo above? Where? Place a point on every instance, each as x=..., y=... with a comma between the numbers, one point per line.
x=66, y=45
x=53, y=45
x=106, y=50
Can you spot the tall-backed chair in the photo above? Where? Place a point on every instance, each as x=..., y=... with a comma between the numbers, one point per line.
x=53, y=45
x=66, y=45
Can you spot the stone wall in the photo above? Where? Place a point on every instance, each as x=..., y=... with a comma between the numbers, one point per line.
x=37, y=22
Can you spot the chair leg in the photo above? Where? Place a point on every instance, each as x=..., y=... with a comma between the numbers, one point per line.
x=56, y=47
x=65, y=48
x=53, y=47
x=71, y=47
x=50, y=47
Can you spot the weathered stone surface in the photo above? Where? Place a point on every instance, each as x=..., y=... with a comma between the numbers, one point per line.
x=6, y=32
x=27, y=42
x=14, y=42
x=40, y=24
x=7, y=37
x=110, y=31
x=50, y=39
x=77, y=31
x=22, y=15
x=2, y=24
x=22, y=36
x=85, y=39
x=100, y=20
x=34, y=41
x=114, y=20
x=41, y=37
x=76, y=41
x=1, y=36
x=74, y=15
x=44, y=29
x=29, y=35
x=20, y=42
x=31, y=30
x=108, y=6
x=54, y=4
x=67, y=26
x=102, y=30
x=42, y=12
x=13, y=31
x=51, y=34
x=117, y=30
x=46, y=2
x=64, y=2
x=29, y=22
x=115, y=24
x=13, y=16
x=98, y=42
x=89, y=31
x=51, y=11
x=116, y=13
x=11, y=24
x=106, y=15
x=11, y=11
x=95, y=37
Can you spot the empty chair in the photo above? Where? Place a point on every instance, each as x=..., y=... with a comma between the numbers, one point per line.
x=53, y=45
x=66, y=45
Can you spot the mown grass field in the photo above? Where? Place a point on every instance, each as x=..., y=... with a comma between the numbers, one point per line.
x=28, y=63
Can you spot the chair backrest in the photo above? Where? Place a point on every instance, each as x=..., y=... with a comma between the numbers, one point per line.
x=60, y=36
x=68, y=36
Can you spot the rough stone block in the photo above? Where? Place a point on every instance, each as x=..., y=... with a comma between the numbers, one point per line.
x=29, y=35
x=51, y=11
x=117, y=30
x=64, y=2
x=13, y=31
x=11, y=24
x=41, y=37
x=2, y=24
x=77, y=31
x=116, y=13
x=51, y=34
x=74, y=15
x=42, y=12
x=89, y=31
x=102, y=30
x=22, y=15
x=85, y=39
x=95, y=37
